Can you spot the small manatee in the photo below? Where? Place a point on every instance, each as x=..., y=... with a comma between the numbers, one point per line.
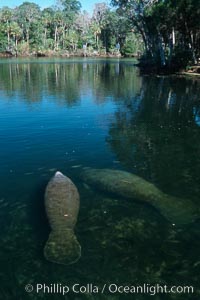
x=62, y=207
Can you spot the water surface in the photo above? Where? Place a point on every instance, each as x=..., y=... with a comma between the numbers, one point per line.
x=70, y=114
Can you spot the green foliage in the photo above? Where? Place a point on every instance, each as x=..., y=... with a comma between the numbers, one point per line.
x=28, y=29
x=132, y=45
x=182, y=58
x=167, y=32
x=71, y=7
x=3, y=40
x=170, y=29
x=23, y=48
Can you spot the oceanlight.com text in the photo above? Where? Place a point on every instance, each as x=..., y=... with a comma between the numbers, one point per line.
x=112, y=288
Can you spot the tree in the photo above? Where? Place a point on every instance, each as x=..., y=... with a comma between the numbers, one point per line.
x=134, y=11
x=6, y=17
x=98, y=21
x=47, y=23
x=70, y=9
x=169, y=29
x=26, y=14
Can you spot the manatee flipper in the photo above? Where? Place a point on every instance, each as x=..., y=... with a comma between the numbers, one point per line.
x=62, y=247
x=178, y=210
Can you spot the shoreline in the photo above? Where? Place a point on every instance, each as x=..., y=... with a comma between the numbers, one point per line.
x=145, y=69
x=189, y=74
x=60, y=55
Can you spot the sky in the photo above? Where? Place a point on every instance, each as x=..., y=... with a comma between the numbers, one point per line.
x=86, y=4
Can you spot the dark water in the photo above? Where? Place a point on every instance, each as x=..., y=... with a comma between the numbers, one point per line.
x=68, y=115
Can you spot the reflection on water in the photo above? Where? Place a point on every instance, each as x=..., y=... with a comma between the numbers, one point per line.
x=67, y=81
x=161, y=137
x=97, y=113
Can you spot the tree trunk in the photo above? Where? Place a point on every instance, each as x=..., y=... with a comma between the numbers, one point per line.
x=8, y=37
x=45, y=36
x=144, y=35
x=173, y=37
x=55, y=38
x=192, y=47
x=97, y=41
x=63, y=38
x=27, y=37
x=161, y=50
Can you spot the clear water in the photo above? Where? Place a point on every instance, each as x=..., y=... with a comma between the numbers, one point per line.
x=69, y=114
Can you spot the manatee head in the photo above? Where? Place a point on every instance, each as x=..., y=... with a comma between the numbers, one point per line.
x=59, y=174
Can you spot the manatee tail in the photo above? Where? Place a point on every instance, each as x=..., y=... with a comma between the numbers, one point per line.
x=62, y=247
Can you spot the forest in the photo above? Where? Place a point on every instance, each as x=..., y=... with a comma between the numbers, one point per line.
x=163, y=33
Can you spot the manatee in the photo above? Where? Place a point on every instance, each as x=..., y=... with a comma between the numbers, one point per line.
x=127, y=185
x=62, y=207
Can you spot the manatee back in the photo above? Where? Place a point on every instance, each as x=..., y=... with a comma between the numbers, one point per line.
x=121, y=183
x=131, y=186
x=61, y=202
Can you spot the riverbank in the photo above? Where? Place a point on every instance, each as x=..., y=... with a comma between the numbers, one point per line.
x=192, y=71
x=149, y=67
x=61, y=54
x=145, y=67
x=196, y=75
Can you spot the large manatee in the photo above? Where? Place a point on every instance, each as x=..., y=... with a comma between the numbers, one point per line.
x=62, y=207
x=176, y=210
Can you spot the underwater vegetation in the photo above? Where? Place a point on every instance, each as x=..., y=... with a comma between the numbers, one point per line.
x=136, y=245
x=122, y=242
